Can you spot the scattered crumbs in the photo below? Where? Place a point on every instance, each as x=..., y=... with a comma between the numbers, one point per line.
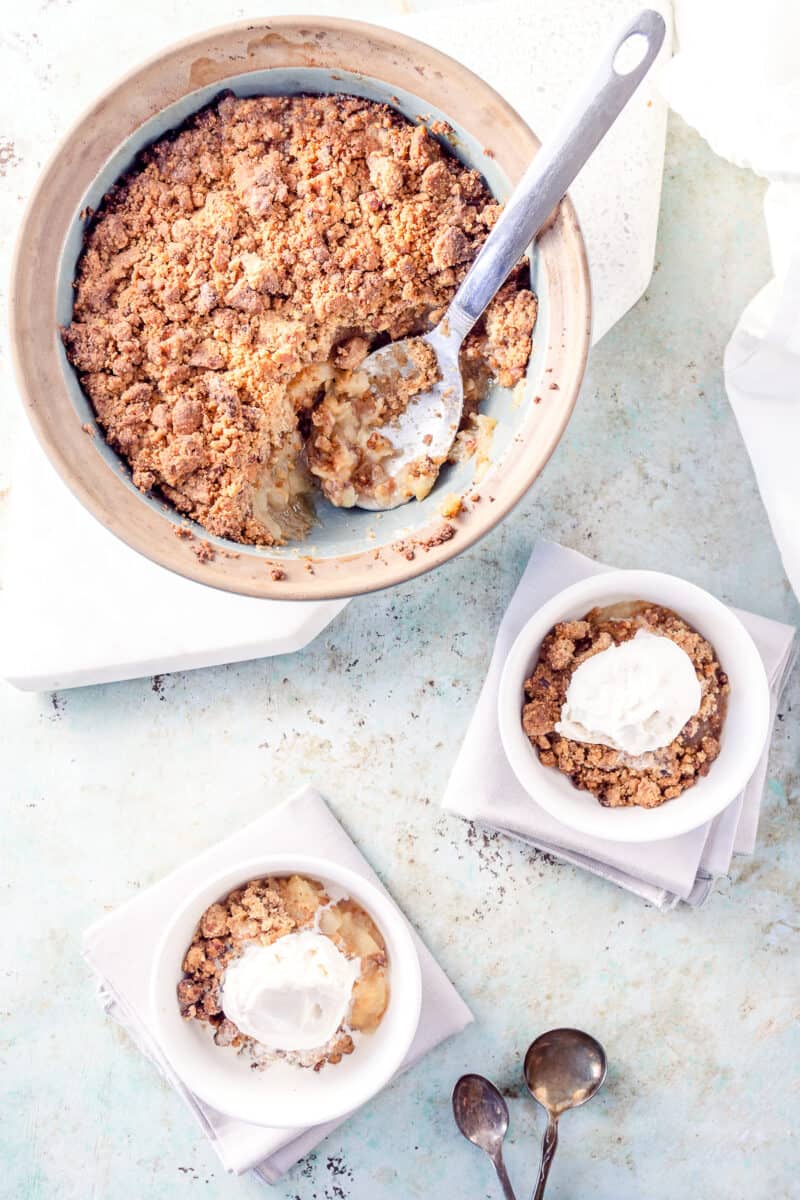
x=395, y=101
x=183, y=532
x=204, y=552
x=554, y=387
x=487, y=150
x=87, y=213
x=277, y=573
x=442, y=535
x=649, y=103
x=88, y=429
x=537, y=399
x=371, y=534
x=475, y=498
x=451, y=506
x=491, y=499
x=8, y=155
x=230, y=554
x=338, y=1169
x=426, y=441
x=157, y=686
x=309, y=568
x=406, y=549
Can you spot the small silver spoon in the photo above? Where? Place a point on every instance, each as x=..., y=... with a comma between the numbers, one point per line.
x=425, y=431
x=563, y=1069
x=481, y=1114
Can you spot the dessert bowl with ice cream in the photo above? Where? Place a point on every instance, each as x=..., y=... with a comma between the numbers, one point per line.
x=633, y=706
x=286, y=992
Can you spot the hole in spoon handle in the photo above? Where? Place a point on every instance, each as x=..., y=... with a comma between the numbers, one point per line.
x=548, y=1150
x=578, y=133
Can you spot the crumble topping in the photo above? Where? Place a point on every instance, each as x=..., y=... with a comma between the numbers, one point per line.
x=244, y=261
x=613, y=777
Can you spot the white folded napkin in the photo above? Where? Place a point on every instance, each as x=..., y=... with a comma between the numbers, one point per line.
x=483, y=788
x=757, y=126
x=120, y=950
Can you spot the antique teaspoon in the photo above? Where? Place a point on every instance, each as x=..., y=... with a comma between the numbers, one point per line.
x=563, y=1069
x=481, y=1114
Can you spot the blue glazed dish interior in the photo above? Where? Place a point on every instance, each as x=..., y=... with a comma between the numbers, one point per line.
x=337, y=531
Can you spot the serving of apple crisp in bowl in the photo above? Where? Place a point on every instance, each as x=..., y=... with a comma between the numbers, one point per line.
x=287, y=991
x=225, y=249
x=633, y=706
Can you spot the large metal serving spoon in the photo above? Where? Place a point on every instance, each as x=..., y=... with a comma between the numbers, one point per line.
x=481, y=1114
x=430, y=422
x=563, y=1069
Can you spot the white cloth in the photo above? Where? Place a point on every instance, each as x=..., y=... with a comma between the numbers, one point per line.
x=483, y=788
x=736, y=79
x=120, y=950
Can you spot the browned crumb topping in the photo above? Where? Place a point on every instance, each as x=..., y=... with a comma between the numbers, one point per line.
x=245, y=258
x=614, y=778
x=261, y=912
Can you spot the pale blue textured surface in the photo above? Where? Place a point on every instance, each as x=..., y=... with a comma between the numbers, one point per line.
x=108, y=788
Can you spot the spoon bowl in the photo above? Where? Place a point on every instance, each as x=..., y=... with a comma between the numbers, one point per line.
x=564, y=1068
x=480, y=1112
x=430, y=423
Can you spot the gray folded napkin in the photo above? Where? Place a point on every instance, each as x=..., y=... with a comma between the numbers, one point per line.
x=120, y=949
x=483, y=788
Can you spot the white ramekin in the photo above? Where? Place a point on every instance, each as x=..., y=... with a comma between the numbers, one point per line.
x=283, y=1096
x=743, y=737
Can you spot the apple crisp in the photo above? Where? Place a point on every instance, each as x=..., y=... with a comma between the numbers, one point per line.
x=261, y=913
x=618, y=779
x=233, y=281
x=346, y=449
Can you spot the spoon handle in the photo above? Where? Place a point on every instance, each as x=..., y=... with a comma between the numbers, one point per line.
x=548, y=1150
x=553, y=169
x=502, y=1175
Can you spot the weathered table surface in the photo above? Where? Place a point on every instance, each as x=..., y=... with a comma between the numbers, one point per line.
x=107, y=788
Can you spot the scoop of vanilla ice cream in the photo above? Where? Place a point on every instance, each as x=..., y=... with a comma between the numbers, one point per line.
x=635, y=697
x=290, y=995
